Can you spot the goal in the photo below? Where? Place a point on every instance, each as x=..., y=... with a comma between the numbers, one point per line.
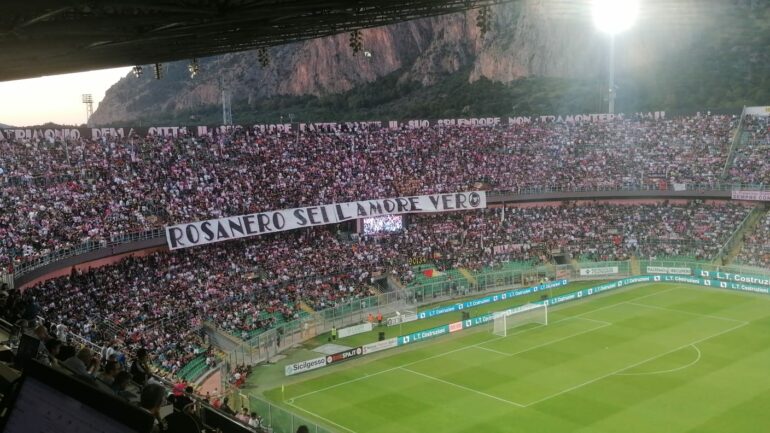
x=528, y=313
x=401, y=317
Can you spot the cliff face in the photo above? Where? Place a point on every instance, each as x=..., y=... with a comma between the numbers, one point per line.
x=551, y=38
x=315, y=67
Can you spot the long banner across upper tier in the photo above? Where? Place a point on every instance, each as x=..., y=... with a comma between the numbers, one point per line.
x=242, y=226
x=53, y=134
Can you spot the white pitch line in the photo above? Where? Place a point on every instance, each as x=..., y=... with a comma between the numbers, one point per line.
x=368, y=376
x=708, y=316
x=416, y=362
x=421, y=360
x=513, y=403
x=321, y=418
x=650, y=373
x=492, y=350
x=548, y=343
x=603, y=322
x=476, y=345
x=572, y=388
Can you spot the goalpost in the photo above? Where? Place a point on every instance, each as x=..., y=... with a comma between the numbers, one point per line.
x=401, y=317
x=528, y=313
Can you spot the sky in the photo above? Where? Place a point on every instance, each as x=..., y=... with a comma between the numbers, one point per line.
x=55, y=98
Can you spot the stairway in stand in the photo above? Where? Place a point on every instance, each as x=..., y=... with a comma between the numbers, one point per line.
x=374, y=289
x=575, y=264
x=394, y=282
x=306, y=308
x=468, y=276
x=756, y=216
x=739, y=139
x=636, y=268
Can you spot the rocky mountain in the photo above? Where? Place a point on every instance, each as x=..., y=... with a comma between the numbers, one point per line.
x=542, y=49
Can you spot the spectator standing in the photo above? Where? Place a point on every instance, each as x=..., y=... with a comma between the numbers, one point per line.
x=140, y=369
x=226, y=406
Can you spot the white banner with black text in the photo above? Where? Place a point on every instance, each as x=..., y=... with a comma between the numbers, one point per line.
x=243, y=226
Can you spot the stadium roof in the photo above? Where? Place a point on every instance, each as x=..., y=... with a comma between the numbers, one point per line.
x=43, y=37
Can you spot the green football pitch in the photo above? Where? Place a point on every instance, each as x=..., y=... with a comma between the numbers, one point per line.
x=652, y=358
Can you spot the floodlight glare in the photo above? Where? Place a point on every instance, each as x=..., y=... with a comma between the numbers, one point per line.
x=614, y=16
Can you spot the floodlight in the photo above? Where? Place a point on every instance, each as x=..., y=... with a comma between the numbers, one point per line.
x=614, y=16
x=193, y=67
x=158, y=70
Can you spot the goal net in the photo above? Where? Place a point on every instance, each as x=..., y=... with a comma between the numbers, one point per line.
x=512, y=318
x=401, y=317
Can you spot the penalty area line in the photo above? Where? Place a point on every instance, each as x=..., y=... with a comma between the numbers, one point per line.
x=636, y=364
x=690, y=313
x=512, y=403
x=671, y=370
x=548, y=343
x=321, y=418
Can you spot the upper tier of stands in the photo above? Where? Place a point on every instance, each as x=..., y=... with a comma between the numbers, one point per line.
x=57, y=195
x=753, y=154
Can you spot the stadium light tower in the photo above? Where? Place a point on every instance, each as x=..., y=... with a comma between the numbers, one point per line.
x=88, y=100
x=613, y=17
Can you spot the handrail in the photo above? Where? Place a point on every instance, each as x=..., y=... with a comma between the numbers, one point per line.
x=24, y=267
x=6, y=278
x=79, y=338
x=85, y=342
x=716, y=186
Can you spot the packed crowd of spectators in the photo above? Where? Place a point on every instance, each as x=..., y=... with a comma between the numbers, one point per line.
x=594, y=231
x=81, y=309
x=756, y=245
x=753, y=152
x=158, y=301
x=611, y=154
x=57, y=195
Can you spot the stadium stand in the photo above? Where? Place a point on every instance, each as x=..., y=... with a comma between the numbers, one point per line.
x=756, y=247
x=245, y=287
x=61, y=194
x=58, y=195
x=753, y=153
